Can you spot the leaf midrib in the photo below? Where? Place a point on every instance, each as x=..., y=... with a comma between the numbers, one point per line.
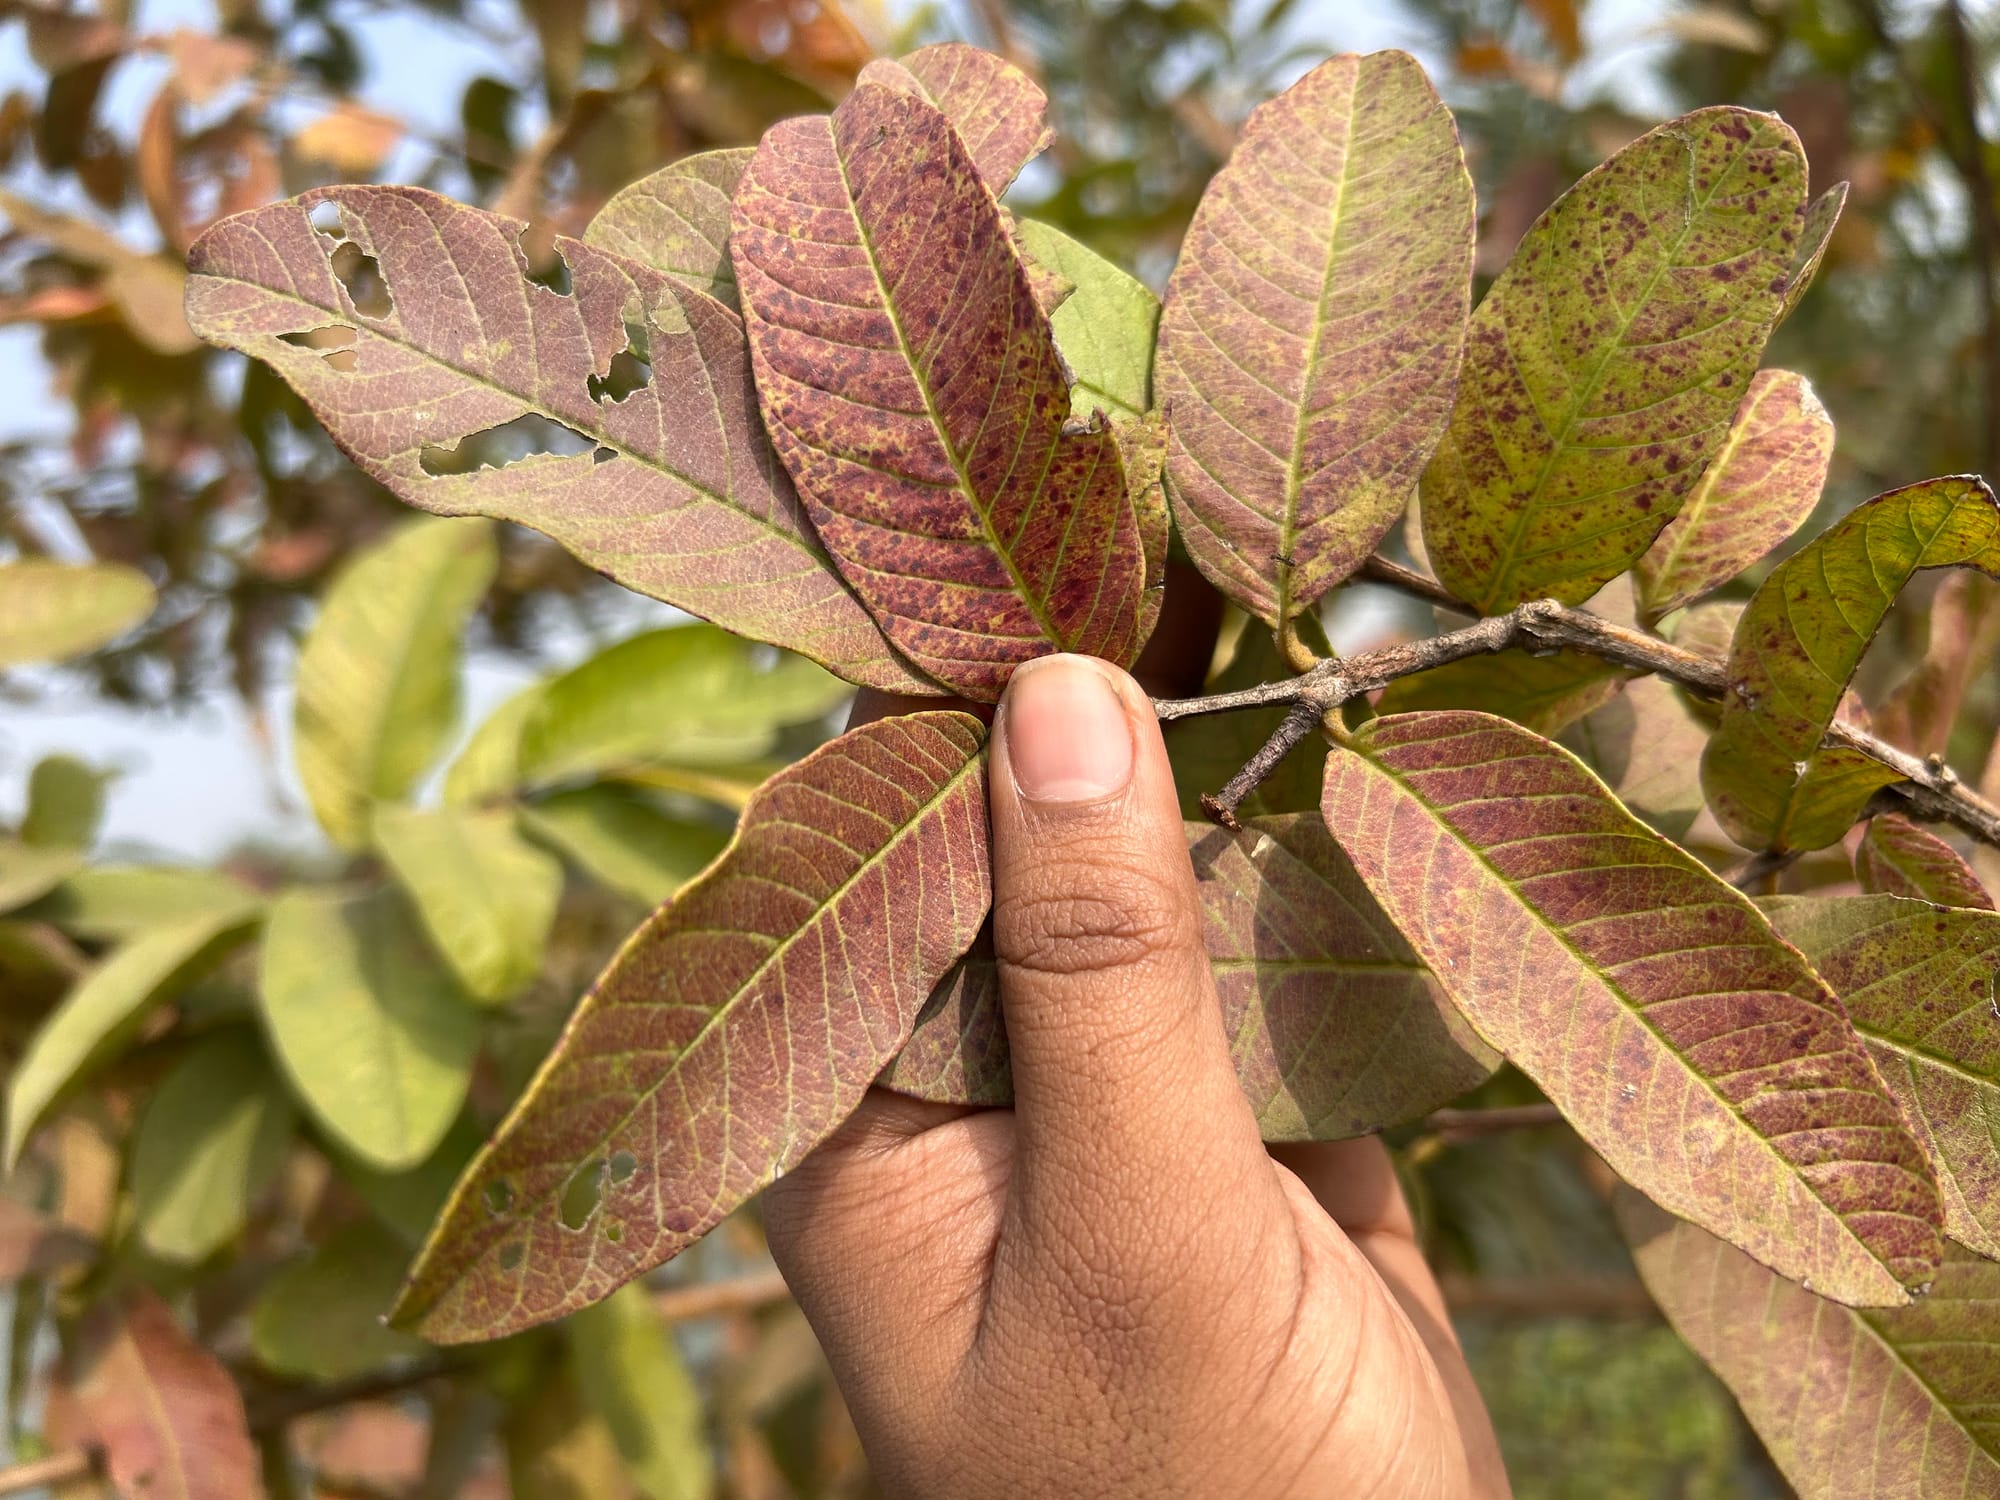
x=1860, y=1318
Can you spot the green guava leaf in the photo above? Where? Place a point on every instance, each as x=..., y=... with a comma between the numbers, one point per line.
x=616, y=416
x=630, y=1373
x=1770, y=780
x=677, y=221
x=488, y=768
x=998, y=111
x=486, y=897
x=1918, y=983
x=1815, y=234
x=65, y=803
x=913, y=388
x=320, y=1316
x=51, y=611
x=1310, y=342
x=28, y=872
x=1105, y=327
x=621, y=840
x=374, y=1034
x=122, y=901
x=1334, y=1025
x=1690, y=1047
x=1602, y=369
x=378, y=678
x=1545, y=692
x=1890, y=1404
x=1897, y=858
x=1759, y=488
x=736, y=1028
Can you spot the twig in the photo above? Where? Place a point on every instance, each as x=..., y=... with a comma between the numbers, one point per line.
x=57, y=1468
x=708, y=1299
x=1469, y=1124
x=1302, y=719
x=1750, y=876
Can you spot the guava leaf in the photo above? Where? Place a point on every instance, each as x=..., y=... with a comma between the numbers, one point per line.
x=1689, y=1046
x=51, y=611
x=488, y=768
x=65, y=803
x=122, y=901
x=1334, y=1025
x=1897, y=858
x=1815, y=234
x=1891, y=1404
x=1918, y=983
x=1962, y=652
x=1311, y=337
x=320, y=1317
x=621, y=840
x=1543, y=692
x=1645, y=744
x=998, y=110
x=374, y=1034
x=1602, y=369
x=913, y=388
x=630, y=1373
x=1105, y=327
x=28, y=872
x=1759, y=488
x=378, y=678
x=1769, y=779
x=620, y=414
x=487, y=898
x=677, y=221
x=736, y=1028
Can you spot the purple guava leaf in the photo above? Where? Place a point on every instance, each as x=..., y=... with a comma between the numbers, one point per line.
x=1897, y=858
x=733, y=1031
x=999, y=112
x=676, y=220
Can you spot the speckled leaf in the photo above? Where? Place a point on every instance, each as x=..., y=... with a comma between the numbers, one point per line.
x=677, y=221
x=51, y=611
x=1770, y=781
x=913, y=388
x=1602, y=369
x=1918, y=983
x=733, y=1031
x=997, y=110
x=1105, y=327
x=1893, y=1404
x=1645, y=744
x=1759, y=488
x=1897, y=858
x=1310, y=341
x=1815, y=234
x=1334, y=1025
x=1545, y=693
x=458, y=362
x=1688, y=1045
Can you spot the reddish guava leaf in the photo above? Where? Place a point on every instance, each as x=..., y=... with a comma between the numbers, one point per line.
x=617, y=417
x=1918, y=983
x=677, y=220
x=1893, y=1404
x=1897, y=858
x=1603, y=367
x=1310, y=341
x=999, y=112
x=167, y=1416
x=1963, y=650
x=1758, y=489
x=913, y=388
x=1335, y=1027
x=1694, y=1050
x=1769, y=779
x=733, y=1031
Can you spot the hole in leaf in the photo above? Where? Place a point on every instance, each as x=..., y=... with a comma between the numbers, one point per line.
x=545, y=264
x=527, y=436
x=631, y=367
x=603, y=455
x=512, y=1255
x=581, y=1194
x=614, y=1232
x=325, y=217
x=361, y=274
x=623, y=1165
x=498, y=1196
x=335, y=341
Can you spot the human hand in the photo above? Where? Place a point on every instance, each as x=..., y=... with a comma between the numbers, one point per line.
x=1113, y=1289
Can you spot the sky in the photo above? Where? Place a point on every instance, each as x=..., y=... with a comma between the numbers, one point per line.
x=193, y=783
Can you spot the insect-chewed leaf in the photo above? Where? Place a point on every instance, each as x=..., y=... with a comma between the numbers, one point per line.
x=1694, y=1050
x=1603, y=367
x=1815, y=234
x=1312, y=331
x=1897, y=858
x=677, y=221
x=1335, y=1027
x=1894, y=1404
x=736, y=1028
x=1105, y=327
x=51, y=611
x=1918, y=982
x=1757, y=490
x=998, y=110
x=914, y=390
x=1769, y=779
x=625, y=402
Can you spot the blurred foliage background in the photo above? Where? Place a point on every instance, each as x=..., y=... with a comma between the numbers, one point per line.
x=273, y=1060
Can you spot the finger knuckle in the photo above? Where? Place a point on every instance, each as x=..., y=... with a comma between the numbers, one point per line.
x=1106, y=923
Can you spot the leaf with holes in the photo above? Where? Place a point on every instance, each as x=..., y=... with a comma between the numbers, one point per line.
x=1310, y=341
x=1918, y=983
x=1105, y=327
x=1897, y=858
x=677, y=221
x=1602, y=369
x=1759, y=488
x=619, y=411
x=735, y=1029
x=997, y=110
x=913, y=388
x=1334, y=1025
x=1770, y=780
x=1894, y=1404
x=1689, y=1046
x=51, y=611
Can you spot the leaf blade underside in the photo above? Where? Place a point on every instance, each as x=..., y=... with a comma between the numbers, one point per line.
x=1310, y=342
x=1897, y=858
x=1687, y=1044
x=998, y=111
x=871, y=851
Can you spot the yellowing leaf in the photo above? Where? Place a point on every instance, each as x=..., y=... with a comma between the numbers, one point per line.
x=1104, y=327
x=29, y=871
x=488, y=769
x=51, y=611
x=629, y=1372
